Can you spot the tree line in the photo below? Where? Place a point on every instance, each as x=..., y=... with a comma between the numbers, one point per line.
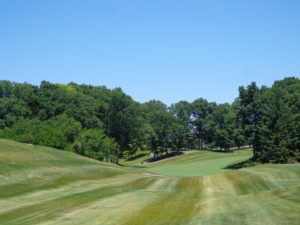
x=106, y=124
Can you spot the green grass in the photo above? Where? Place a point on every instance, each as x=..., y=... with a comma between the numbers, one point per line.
x=136, y=162
x=199, y=163
x=40, y=185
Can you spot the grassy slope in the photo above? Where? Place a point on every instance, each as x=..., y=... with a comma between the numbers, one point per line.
x=199, y=163
x=136, y=162
x=44, y=186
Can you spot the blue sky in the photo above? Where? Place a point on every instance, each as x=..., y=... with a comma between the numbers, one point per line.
x=158, y=49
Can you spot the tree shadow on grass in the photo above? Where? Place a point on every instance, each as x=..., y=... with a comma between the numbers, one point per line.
x=165, y=156
x=240, y=165
x=150, y=160
x=136, y=157
x=221, y=151
x=134, y=166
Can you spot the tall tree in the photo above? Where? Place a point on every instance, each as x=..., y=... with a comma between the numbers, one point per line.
x=223, y=121
x=201, y=109
x=250, y=112
x=182, y=128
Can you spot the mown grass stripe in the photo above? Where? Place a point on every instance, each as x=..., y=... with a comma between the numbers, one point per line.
x=80, y=186
x=32, y=185
x=50, y=209
x=175, y=208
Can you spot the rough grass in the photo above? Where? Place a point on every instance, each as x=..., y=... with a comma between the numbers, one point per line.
x=41, y=185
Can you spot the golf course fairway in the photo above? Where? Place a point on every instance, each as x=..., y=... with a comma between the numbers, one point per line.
x=40, y=185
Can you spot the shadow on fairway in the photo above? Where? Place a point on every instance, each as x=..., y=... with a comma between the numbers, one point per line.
x=240, y=165
x=166, y=156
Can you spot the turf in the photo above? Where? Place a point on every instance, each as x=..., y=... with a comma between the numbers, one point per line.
x=199, y=163
x=41, y=185
x=136, y=162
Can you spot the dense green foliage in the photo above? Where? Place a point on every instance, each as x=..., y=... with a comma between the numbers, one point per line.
x=93, y=143
x=270, y=118
x=106, y=124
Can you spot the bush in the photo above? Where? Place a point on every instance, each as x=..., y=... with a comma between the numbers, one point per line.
x=95, y=144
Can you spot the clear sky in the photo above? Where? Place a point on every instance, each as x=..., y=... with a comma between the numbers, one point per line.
x=154, y=49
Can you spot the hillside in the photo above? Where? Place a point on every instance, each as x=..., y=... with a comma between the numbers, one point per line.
x=40, y=185
x=198, y=163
